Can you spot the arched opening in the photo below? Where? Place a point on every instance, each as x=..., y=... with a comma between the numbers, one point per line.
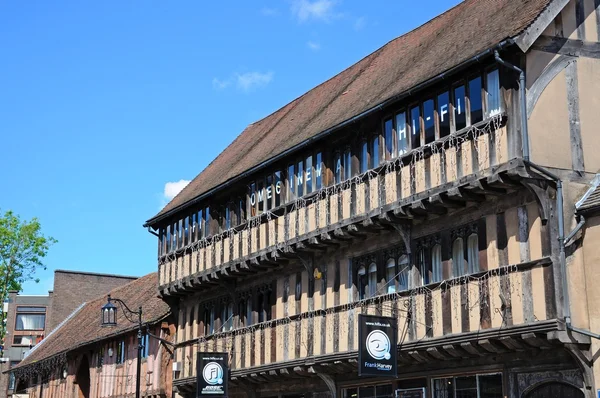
x=554, y=390
x=83, y=378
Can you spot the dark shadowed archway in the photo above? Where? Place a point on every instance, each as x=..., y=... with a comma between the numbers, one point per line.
x=83, y=378
x=555, y=390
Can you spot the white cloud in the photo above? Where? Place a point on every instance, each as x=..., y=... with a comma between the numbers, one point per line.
x=269, y=12
x=306, y=10
x=173, y=188
x=313, y=45
x=220, y=84
x=250, y=80
x=360, y=23
x=244, y=81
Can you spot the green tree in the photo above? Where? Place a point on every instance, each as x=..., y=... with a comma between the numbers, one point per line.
x=22, y=250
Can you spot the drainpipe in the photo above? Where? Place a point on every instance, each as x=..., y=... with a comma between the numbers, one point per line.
x=561, y=237
x=523, y=96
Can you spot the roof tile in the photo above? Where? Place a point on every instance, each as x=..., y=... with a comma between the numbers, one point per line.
x=83, y=327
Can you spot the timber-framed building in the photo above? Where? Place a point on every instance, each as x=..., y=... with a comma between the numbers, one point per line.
x=433, y=181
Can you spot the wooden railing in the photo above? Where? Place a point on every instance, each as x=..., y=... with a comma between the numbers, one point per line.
x=497, y=299
x=476, y=149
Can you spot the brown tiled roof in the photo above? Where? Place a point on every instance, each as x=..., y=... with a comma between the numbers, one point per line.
x=446, y=41
x=83, y=327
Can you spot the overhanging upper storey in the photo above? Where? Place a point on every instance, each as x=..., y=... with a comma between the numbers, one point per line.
x=331, y=155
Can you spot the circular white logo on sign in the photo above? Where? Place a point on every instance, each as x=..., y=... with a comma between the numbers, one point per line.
x=213, y=373
x=378, y=345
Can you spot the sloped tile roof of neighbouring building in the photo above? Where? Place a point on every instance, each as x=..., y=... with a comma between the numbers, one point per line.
x=446, y=41
x=591, y=199
x=83, y=327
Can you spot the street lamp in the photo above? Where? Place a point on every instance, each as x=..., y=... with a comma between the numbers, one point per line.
x=109, y=318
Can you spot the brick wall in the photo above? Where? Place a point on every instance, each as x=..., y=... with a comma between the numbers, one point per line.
x=71, y=289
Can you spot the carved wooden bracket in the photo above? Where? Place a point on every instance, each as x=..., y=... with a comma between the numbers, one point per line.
x=307, y=263
x=330, y=382
x=404, y=231
x=542, y=192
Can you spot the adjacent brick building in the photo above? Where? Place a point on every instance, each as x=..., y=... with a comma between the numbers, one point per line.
x=71, y=288
x=26, y=325
x=31, y=318
x=82, y=358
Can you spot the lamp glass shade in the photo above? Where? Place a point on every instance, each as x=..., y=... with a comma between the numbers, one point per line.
x=109, y=314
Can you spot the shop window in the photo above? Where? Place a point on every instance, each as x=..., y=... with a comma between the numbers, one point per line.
x=268, y=193
x=443, y=111
x=100, y=357
x=309, y=174
x=402, y=137
x=361, y=283
x=403, y=268
x=298, y=292
x=260, y=196
x=415, y=124
x=424, y=268
x=174, y=236
x=249, y=318
x=388, y=137
x=436, y=263
x=11, y=381
x=364, y=157
x=429, y=120
x=378, y=391
x=209, y=320
x=458, y=258
x=460, y=116
x=475, y=100
x=317, y=172
x=473, y=253
x=121, y=352
x=373, y=280
x=300, y=179
x=347, y=164
x=145, y=345
x=30, y=318
x=227, y=317
x=186, y=226
x=242, y=211
x=24, y=340
x=375, y=152
x=180, y=233
x=390, y=271
x=476, y=386
x=278, y=188
x=337, y=161
x=492, y=84
x=291, y=183
x=242, y=313
x=207, y=230
x=200, y=225
x=161, y=241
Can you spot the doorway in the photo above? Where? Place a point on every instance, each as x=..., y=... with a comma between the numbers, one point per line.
x=555, y=390
x=83, y=378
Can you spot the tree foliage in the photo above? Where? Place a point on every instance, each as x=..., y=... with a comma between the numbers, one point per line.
x=23, y=248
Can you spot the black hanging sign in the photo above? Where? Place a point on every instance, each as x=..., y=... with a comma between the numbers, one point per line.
x=377, y=350
x=212, y=374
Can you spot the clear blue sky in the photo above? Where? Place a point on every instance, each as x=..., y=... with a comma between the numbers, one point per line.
x=102, y=103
